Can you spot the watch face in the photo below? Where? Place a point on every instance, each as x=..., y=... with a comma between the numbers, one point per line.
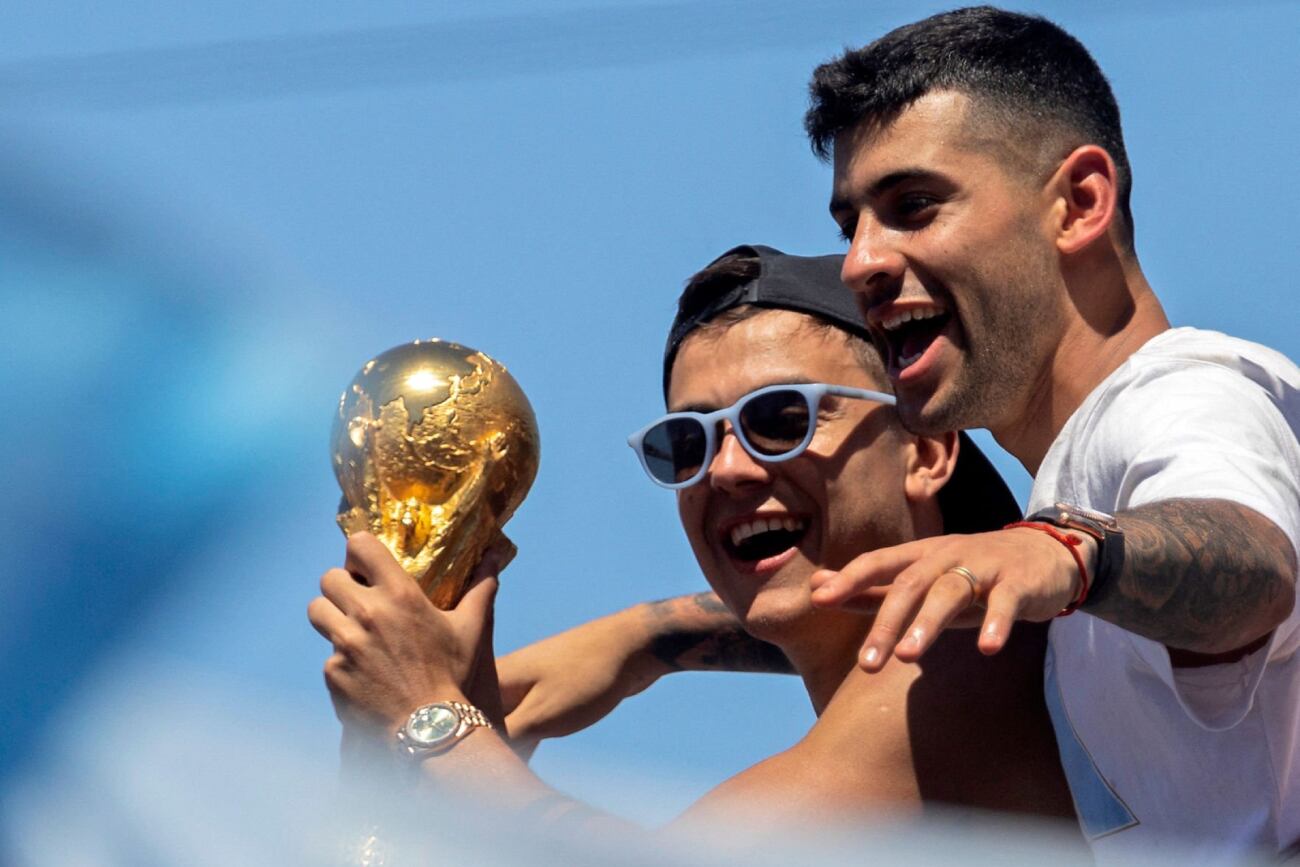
x=432, y=725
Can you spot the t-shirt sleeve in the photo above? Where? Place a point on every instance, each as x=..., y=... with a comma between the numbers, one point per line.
x=1203, y=431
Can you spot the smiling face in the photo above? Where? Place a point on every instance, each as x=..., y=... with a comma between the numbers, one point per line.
x=759, y=530
x=952, y=260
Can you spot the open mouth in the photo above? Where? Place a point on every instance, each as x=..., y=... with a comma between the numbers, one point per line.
x=760, y=538
x=909, y=333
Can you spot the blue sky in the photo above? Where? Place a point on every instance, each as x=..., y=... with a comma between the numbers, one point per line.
x=210, y=217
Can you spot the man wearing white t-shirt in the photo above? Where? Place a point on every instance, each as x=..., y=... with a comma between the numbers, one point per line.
x=981, y=180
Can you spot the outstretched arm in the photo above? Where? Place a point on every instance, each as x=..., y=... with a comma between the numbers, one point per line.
x=1209, y=577
x=699, y=633
x=564, y=683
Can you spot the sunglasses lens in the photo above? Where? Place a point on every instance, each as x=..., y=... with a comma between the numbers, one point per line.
x=775, y=422
x=674, y=449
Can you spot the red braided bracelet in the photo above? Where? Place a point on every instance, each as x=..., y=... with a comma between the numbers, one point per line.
x=1071, y=543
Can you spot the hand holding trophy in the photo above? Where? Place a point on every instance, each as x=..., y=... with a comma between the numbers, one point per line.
x=435, y=446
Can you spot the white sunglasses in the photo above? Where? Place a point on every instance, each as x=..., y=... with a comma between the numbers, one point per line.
x=774, y=423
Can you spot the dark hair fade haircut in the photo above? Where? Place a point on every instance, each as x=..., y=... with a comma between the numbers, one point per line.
x=1022, y=67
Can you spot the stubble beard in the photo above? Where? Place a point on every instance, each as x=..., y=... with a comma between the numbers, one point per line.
x=993, y=382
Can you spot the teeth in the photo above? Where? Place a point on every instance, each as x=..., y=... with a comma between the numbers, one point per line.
x=898, y=319
x=741, y=532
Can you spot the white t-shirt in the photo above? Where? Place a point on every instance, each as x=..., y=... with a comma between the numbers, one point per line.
x=1209, y=757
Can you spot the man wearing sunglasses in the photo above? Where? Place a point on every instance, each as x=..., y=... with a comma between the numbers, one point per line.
x=786, y=457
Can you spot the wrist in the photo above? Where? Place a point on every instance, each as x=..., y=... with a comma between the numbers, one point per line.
x=401, y=713
x=1071, y=542
x=1105, y=560
x=436, y=727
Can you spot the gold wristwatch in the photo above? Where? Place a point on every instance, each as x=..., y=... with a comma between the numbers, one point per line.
x=436, y=728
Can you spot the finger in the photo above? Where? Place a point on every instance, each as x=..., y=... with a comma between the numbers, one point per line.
x=948, y=596
x=477, y=601
x=867, y=570
x=892, y=621
x=1004, y=604
x=326, y=618
x=338, y=672
x=474, y=611
x=339, y=587
x=866, y=602
x=490, y=564
x=501, y=552
x=369, y=559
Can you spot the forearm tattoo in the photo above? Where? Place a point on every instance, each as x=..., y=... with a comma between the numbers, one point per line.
x=699, y=633
x=1207, y=576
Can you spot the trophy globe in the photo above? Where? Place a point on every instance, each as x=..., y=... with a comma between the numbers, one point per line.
x=434, y=446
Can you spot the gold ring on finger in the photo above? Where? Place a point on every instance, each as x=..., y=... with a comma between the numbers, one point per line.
x=970, y=579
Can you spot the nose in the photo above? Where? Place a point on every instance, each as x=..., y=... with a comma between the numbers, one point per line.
x=874, y=266
x=735, y=470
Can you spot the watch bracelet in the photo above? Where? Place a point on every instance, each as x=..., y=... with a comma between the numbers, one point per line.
x=1110, y=561
x=471, y=713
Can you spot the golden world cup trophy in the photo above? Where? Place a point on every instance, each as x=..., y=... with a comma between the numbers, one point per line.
x=434, y=446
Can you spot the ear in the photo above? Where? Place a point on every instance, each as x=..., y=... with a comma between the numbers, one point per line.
x=930, y=463
x=1087, y=184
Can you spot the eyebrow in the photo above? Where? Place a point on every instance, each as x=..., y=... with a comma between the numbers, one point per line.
x=882, y=186
x=707, y=408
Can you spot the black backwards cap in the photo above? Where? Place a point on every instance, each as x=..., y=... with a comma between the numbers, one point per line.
x=975, y=499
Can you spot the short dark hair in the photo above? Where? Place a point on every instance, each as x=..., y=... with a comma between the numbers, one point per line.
x=1030, y=73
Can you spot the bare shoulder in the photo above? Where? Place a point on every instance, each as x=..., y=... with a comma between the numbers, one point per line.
x=810, y=783
x=855, y=761
x=958, y=729
x=979, y=728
